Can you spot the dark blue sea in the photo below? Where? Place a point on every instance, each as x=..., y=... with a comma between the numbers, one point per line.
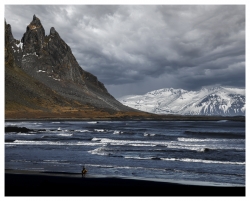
x=207, y=151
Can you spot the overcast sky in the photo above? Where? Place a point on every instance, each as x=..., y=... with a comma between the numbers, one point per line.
x=134, y=49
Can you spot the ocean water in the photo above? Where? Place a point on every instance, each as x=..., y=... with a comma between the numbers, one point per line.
x=180, y=150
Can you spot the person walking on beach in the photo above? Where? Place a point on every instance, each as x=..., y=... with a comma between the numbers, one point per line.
x=84, y=171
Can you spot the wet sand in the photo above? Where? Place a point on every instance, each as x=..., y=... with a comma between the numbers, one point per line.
x=31, y=183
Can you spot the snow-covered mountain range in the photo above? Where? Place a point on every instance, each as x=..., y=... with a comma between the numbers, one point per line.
x=220, y=100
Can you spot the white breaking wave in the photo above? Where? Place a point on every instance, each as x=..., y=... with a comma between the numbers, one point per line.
x=202, y=161
x=208, y=140
x=98, y=151
x=51, y=160
x=182, y=143
x=24, y=134
x=221, y=121
x=143, y=145
x=117, y=132
x=199, y=140
x=83, y=131
x=100, y=166
x=125, y=142
x=55, y=161
x=169, y=144
x=96, y=139
x=99, y=130
x=137, y=157
x=66, y=135
x=10, y=124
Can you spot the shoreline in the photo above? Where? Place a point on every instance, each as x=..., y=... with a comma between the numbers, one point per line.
x=170, y=118
x=34, y=183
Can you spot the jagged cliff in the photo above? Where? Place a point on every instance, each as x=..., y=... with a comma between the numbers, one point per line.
x=43, y=79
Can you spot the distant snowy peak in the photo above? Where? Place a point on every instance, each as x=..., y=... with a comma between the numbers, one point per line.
x=166, y=91
x=207, y=101
x=225, y=89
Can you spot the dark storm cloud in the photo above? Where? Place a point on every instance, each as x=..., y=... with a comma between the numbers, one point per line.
x=135, y=49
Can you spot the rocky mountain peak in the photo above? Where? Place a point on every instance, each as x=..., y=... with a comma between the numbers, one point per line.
x=9, y=45
x=36, y=21
x=49, y=61
x=34, y=36
x=48, y=54
x=8, y=33
x=52, y=31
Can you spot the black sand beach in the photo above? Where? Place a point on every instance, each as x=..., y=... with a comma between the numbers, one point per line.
x=29, y=183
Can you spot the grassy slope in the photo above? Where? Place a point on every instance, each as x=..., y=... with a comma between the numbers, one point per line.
x=27, y=98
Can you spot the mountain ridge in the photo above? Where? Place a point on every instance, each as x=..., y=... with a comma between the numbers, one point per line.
x=44, y=79
x=218, y=100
